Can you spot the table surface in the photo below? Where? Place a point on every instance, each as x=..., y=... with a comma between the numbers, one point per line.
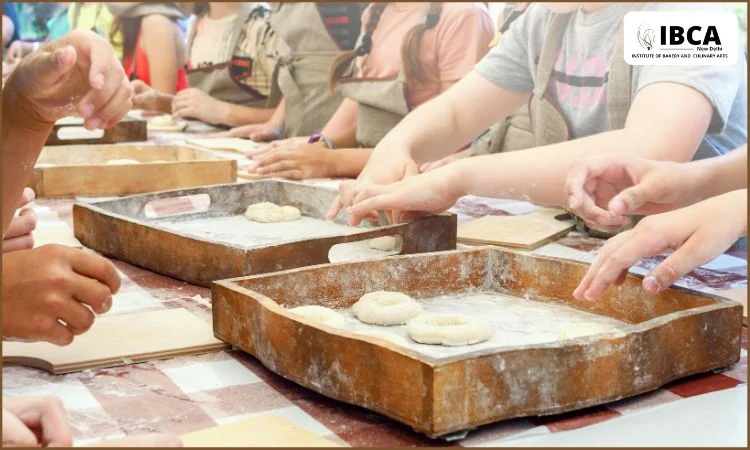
x=189, y=393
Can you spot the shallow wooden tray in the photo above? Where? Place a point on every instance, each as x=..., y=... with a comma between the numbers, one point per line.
x=678, y=333
x=65, y=132
x=82, y=169
x=120, y=228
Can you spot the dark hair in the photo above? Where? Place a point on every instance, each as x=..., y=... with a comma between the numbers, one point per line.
x=409, y=48
x=129, y=28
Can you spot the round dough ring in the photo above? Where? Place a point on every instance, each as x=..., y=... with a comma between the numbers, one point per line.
x=319, y=314
x=386, y=308
x=267, y=212
x=449, y=329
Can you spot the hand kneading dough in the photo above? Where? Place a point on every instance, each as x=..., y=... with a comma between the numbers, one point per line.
x=384, y=243
x=386, y=308
x=449, y=329
x=319, y=314
x=267, y=212
x=118, y=162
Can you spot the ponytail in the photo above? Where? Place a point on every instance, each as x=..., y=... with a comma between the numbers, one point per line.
x=410, y=49
x=343, y=61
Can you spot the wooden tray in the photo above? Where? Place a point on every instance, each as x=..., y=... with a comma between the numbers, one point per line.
x=82, y=169
x=127, y=130
x=120, y=228
x=659, y=339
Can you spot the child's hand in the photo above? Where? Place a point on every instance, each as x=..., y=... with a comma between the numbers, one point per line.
x=425, y=194
x=35, y=422
x=426, y=167
x=55, y=283
x=146, y=98
x=261, y=132
x=78, y=71
x=603, y=190
x=303, y=163
x=193, y=103
x=695, y=240
x=18, y=236
x=383, y=172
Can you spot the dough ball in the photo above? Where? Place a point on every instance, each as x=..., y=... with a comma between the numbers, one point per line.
x=319, y=314
x=120, y=162
x=449, y=329
x=163, y=121
x=384, y=243
x=576, y=330
x=386, y=308
x=267, y=212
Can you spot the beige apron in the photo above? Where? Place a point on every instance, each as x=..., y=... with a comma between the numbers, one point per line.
x=302, y=76
x=216, y=80
x=517, y=131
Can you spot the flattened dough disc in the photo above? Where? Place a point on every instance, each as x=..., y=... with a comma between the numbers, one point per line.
x=264, y=430
x=527, y=231
x=115, y=340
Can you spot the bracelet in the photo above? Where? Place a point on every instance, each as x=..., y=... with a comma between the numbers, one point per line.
x=319, y=137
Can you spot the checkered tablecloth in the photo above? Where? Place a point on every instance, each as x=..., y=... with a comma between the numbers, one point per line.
x=185, y=394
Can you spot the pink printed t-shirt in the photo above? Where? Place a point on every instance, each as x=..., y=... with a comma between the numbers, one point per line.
x=449, y=50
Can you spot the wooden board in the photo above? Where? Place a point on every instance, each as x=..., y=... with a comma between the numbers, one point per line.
x=121, y=339
x=527, y=231
x=234, y=144
x=658, y=338
x=127, y=130
x=263, y=430
x=739, y=295
x=66, y=171
x=120, y=229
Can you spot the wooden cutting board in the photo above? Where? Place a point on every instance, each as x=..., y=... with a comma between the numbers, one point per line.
x=263, y=430
x=234, y=144
x=70, y=131
x=527, y=231
x=739, y=295
x=115, y=340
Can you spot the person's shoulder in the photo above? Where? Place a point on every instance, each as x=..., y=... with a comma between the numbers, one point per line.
x=463, y=9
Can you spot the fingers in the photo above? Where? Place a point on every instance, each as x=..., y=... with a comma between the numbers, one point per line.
x=629, y=200
x=43, y=414
x=291, y=174
x=117, y=107
x=609, y=248
x=56, y=333
x=51, y=66
x=77, y=317
x=333, y=211
x=22, y=224
x=108, y=104
x=27, y=197
x=697, y=250
x=146, y=440
x=15, y=433
x=18, y=243
x=97, y=268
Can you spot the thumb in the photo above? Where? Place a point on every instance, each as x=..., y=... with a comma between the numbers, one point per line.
x=51, y=66
x=629, y=200
x=15, y=433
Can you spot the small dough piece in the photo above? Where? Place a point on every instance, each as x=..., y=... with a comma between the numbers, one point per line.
x=163, y=121
x=386, y=308
x=384, y=243
x=267, y=212
x=120, y=162
x=449, y=329
x=319, y=314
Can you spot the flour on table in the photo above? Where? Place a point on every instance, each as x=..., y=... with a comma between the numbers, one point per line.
x=120, y=162
x=267, y=212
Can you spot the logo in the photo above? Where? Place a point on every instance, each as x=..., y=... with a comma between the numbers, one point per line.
x=681, y=38
x=645, y=36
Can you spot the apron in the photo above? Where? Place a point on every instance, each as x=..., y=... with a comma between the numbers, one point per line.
x=381, y=105
x=216, y=80
x=301, y=77
x=517, y=132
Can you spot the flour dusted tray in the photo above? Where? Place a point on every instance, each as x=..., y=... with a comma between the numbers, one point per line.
x=220, y=243
x=83, y=170
x=550, y=353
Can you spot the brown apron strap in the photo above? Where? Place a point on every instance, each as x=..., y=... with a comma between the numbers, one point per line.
x=552, y=41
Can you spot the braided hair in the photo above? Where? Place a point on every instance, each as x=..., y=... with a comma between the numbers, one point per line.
x=410, y=49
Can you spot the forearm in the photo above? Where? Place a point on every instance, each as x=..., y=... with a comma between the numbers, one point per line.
x=722, y=174
x=244, y=115
x=345, y=140
x=349, y=162
x=22, y=143
x=343, y=119
x=539, y=174
x=278, y=119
